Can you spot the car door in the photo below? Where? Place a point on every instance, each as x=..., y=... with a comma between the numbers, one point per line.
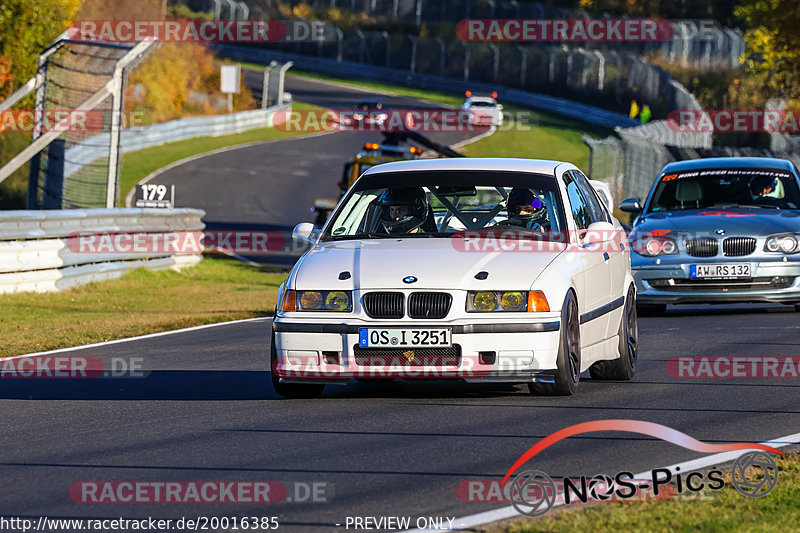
x=618, y=260
x=595, y=263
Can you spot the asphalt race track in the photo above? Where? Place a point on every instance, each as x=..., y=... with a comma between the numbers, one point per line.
x=271, y=187
x=206, y=411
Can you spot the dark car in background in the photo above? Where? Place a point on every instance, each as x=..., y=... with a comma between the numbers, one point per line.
x=718, y=230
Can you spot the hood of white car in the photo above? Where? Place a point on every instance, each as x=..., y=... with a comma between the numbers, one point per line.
x=436, y=263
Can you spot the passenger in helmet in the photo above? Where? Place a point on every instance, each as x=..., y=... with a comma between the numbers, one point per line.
x=525, y=210
x=403, y=209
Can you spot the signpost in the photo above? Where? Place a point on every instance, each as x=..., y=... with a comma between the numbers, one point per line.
x=229, y=82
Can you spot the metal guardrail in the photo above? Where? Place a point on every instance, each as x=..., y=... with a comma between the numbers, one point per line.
x=133, y=139
x=349, y=69
x=35, y=254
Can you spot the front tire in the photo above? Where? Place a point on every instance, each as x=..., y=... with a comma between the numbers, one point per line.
x=797, y=307
x=623, y=367
x=568, y=361
x=290, y=390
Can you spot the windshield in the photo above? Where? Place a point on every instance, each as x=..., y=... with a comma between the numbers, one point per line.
x=482, y=103
x=720, y=188
x=442, y=203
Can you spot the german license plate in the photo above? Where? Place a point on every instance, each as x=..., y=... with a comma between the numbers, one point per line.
x=720, y=271
x=403, y=338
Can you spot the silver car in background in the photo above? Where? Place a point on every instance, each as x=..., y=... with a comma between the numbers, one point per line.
x=718, y=230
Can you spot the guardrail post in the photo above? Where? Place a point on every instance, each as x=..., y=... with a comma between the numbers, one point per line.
x=418, y=13
x=395, y=7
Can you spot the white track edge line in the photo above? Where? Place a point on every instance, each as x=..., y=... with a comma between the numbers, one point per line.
x=503, y=513
x=138, y=337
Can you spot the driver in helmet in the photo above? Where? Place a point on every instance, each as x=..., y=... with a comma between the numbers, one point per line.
x=525, y=210
x=403, y=209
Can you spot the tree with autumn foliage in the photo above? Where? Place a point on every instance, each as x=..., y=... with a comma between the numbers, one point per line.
x=26, y=28
x=773, y=43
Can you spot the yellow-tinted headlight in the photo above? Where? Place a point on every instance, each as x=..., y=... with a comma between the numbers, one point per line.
x=484, y=301
x=311, y=300
x=337, y=301
x=513, y=301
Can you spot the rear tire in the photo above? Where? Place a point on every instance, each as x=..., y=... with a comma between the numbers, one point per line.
x=568, y=361
x=797, y=307
x=623, y=367
x=290, y=390
x=651, y=309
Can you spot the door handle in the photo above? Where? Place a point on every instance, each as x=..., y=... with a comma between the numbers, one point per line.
x=605, y=255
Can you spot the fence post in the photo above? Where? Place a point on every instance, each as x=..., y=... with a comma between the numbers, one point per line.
x=466, y=60
x=340, y=37
x=362, y=46
x=601, y=69
x=388, y=40
x=413, y=66
x=442, y=52
x=418, y=13
x=495, y=61
x=523, y=68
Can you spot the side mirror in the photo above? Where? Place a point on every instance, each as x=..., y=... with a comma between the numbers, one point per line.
x=304, y=233
x=631, y=205
x=599, y=232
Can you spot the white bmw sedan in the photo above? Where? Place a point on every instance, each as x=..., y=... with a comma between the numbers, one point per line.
x=484, y=270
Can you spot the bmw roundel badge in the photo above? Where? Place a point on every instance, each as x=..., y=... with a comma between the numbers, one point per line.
x=409, y=279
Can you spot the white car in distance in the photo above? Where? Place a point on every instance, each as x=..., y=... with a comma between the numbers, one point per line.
x=483, y=109
x=473, y=269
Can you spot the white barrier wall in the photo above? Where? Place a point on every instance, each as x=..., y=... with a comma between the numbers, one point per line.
x=39, y=251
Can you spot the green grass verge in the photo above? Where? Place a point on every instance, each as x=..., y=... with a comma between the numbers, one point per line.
x=139, y=164
x=708, y=511
x=141, y=302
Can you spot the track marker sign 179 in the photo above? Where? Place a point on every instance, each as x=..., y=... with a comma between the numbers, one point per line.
x=153, y=195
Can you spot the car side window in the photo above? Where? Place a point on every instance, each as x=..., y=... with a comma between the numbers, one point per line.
x=580, y=212
x=596, y=211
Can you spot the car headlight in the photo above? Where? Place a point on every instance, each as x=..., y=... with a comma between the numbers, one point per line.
x=317, y=301
x=381, y=117
x=506, y=301
x=786, y=243
x=358, y=116
x=654, y=246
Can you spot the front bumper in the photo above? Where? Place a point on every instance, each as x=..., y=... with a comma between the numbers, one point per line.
x=508, y=352
x=670, y=283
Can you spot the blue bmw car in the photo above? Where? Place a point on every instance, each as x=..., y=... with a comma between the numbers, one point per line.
x=718, y=230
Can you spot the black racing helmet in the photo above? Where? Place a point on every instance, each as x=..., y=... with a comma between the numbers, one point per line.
x=412, y=198
x=521, y=197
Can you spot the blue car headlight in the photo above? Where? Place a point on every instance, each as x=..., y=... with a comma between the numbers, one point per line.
x=787, y=243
